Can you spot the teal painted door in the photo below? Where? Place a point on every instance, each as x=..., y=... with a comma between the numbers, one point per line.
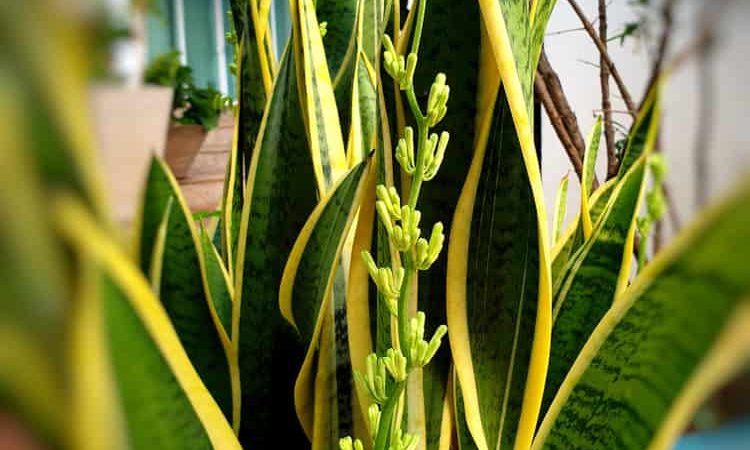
x=200, y=41
x=159, y=29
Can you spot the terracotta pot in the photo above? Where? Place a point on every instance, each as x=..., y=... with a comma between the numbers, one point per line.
x=183, y=144
x=130, y=125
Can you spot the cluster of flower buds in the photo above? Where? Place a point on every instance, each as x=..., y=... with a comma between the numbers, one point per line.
x=347, y=444
x=374, y=381
x=395, y=362
x=399, y=69
x=421, y=351
x=323, y=27
x=403, y=441
x=434, y=154
x=427, y=253
x=401, y=222
x=388, y=282
x=437, y=102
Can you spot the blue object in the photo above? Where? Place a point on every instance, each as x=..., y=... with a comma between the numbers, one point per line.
x=735, y=436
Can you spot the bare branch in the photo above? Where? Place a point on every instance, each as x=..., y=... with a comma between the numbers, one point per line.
x=605, y=58
x=558, y=98
x=558, y=125
x=609, y=132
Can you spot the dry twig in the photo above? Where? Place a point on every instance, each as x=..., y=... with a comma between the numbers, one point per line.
x=601, y=46
x=609, y=132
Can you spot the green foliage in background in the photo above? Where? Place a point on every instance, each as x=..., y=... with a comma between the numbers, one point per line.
x=191, y=105
x=310, y=312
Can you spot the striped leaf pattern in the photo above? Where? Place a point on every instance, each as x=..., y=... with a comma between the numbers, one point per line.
x=677, y=333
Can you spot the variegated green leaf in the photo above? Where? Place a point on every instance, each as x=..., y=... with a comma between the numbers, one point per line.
x=572, y=238
x=149, y=390
x=36, y=295
x=183, y=285
x=638, y=137
x=589, y=283
x=307, y=300
x=676, y=334
x=561, y=204
x=316, y=96
x=493, y=284
x=252, y=95
x=280, y=194
x=509, y=42
x=218, y=282
x=309, y=272
x=588, y=175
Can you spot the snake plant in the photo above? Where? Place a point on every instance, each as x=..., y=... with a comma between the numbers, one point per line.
x=310, y=314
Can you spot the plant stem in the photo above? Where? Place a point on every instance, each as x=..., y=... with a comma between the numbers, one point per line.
x=382, y=438
x=418, y=30
x=403, y=308
x=609, y=132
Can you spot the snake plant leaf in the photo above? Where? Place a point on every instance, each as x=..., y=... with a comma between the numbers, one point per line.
x=183, y=288
x=587, y=177
x=572, y=238
x=586, y=290
x=219, y=284
x=61, y=144
x=676, y=334
x=363, y=127
x=340, y=17
x=280, y=194
x=316, y=97
x=306, y=297
x=540, y=12
x=360, y=335
x=252, y=94
x=642, y=131
x=35, y=297
x=309, y=272
x=561, y=204
x=512, y=48
x=641, y=134
x=157, y=252
x=164, y=402
x=493, y=275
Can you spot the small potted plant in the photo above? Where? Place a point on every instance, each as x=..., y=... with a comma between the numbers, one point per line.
x=195, y=110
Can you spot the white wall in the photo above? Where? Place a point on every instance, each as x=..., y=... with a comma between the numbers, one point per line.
x=730, y=138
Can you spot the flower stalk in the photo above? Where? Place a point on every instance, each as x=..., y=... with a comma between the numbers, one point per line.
x=387, y=375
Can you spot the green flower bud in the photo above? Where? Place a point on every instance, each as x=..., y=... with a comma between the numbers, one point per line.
x=403, y=441
x=406, y=235
x=323, y=27
x=437, y=100
x=436, y=154
x=388, y=282
x=407, y=77
x=373, y=415
x=374, y=381
x=395, y=362
x=427, y=253
x=421, y=351
x=390, y=199
x=405, y=151
x=347, y=444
